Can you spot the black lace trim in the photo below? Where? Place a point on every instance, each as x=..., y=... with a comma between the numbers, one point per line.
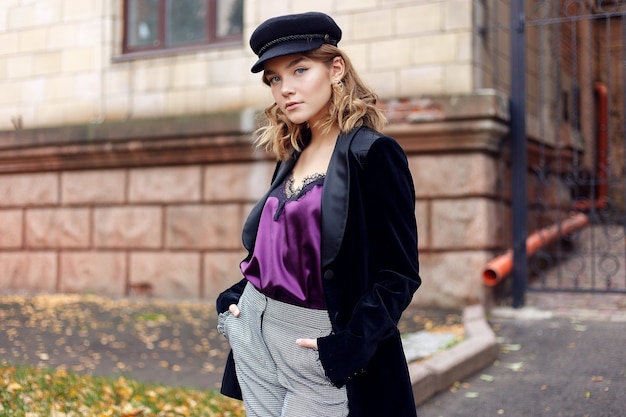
x=289, y=192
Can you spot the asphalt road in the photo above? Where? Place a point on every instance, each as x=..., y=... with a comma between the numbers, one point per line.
x=547, y=367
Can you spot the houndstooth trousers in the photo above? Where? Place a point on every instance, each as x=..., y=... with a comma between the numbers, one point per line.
x=278, y=377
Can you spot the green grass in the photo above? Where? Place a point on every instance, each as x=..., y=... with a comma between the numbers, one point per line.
x=33, y=392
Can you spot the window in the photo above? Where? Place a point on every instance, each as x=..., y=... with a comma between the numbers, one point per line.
x=154, y=25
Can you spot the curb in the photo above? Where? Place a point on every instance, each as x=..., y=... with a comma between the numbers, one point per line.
x=476, y=351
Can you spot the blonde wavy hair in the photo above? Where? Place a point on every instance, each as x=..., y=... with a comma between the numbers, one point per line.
x=351, y=105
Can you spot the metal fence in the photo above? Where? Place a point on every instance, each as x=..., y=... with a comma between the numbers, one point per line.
x=563, y=64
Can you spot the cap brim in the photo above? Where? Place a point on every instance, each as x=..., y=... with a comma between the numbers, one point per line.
x=286, y=48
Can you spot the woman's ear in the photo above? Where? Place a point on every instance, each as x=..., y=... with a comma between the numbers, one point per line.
x=338, y=68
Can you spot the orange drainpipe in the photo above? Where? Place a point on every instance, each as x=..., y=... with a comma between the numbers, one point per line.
x=501, y=266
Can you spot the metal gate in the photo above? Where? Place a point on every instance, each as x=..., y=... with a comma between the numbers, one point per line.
x=563, y=63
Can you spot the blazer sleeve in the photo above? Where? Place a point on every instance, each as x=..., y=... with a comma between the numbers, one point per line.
x=388, y=197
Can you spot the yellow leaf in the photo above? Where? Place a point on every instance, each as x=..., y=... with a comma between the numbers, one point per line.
x=14, y=386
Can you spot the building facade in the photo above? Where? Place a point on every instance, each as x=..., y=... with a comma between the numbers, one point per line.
x=126, y=164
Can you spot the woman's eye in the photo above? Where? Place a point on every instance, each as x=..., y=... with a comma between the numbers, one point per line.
x=273, y=80
x=300, y=70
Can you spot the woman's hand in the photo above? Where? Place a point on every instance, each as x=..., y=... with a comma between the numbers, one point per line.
x=307, y=343
x=234, y=310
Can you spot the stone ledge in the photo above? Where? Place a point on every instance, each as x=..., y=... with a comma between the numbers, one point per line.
x=478, y=350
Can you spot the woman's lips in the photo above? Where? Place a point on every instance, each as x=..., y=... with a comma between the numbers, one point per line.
x=291, y=106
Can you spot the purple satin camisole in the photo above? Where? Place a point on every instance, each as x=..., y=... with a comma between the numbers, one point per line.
x=285, y=264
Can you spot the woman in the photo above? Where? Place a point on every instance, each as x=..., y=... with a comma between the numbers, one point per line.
x=332, y=246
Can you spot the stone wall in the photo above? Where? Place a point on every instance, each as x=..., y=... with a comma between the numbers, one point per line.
x=61, y=61
x=157, y=208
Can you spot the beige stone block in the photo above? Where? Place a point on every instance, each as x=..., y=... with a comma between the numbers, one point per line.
x=93, y=187
x=57, y=227
x=458, y=78
x=28, y=189
x=149, y=104
x=352, y=5
x=11, y=223
x=20, y=16
x=61, y=36
x=102, y=273
x=9, y=43
x=437, y=48
x=80, y=59
x=117, y=107
x=471, y=223
x=452, y=279
x=3, y=69
x=358, y=54
x=165, y=184
x=457, y=14
x=464, y=46
x=226, y=98
x=172, y=275
x=177, y=101
x=190, y=73
x=19, y=66
x=7, y=113
x=229, y=71
x=4, y=18
x=376, y=24
x=11, y=92
x=32, y=40
x=117, y=81
x=29, y=272
x=87, y=85
x=90, y=32
x=47, y=63
x=60, y=87
x=81, y=110
x=151, y=77
x=454, y=175
x=73, y=10
x=221, y=270
x=204, y=227
x=390, y=54
x=198, y=100
x=422, y=80
x=237, y=182
x=420, y=18
x=271, y=9
x=127, y=227
x=324, y=6
x=47, y=12
x=50, y=114
x=34, y=90
x=384, y=83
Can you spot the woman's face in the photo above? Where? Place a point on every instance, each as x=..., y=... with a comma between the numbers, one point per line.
x=301, y=87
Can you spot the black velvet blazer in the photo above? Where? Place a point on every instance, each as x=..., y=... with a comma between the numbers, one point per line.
x=369, y=267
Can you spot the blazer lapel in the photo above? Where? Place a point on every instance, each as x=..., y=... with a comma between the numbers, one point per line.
x=251, y=225
x=335, y=198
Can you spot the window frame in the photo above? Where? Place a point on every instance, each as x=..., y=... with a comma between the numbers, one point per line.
x=211, y=40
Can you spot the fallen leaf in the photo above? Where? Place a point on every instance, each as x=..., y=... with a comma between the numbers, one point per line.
x=471, y=394
x=516, y=367
x=597, y=379
x=486, y=377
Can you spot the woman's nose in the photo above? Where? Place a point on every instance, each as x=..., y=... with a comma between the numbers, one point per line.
x=286, y=88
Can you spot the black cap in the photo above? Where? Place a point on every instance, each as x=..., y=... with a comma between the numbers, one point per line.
x=292, y=34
